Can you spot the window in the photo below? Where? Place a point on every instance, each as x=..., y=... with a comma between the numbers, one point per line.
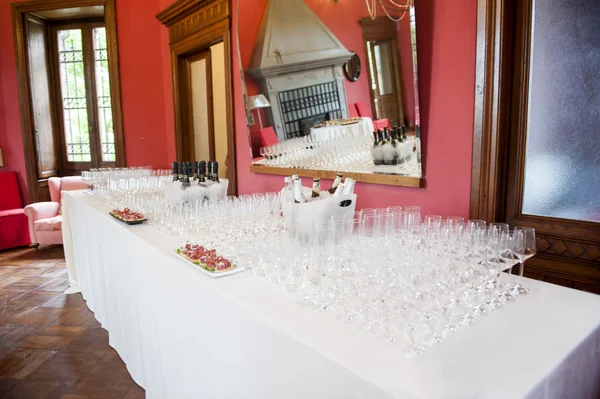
x=85, y=110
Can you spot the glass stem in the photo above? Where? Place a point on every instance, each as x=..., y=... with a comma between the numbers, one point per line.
x=522, y=267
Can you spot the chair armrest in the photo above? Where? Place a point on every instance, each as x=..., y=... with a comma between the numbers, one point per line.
x=42, y=210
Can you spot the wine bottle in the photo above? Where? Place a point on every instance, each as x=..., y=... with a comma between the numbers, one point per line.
x=185, y=179
x=175, y=169
x=394, y=136
x=215, y=172
x=288, y=183
x=336, y=183
x=299, y=197
x=201, y=172
x=316, y=188
x=339, y=190
x=195, y=170
x=386, y=135
x=349, y=186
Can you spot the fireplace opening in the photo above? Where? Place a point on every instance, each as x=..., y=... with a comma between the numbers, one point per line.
x=304, y=107
x=307, y=123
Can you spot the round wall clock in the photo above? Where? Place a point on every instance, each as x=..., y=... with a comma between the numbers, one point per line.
x=352, y=68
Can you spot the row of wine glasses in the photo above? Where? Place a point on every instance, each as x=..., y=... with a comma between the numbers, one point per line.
x=411, y=280
x=100, y=177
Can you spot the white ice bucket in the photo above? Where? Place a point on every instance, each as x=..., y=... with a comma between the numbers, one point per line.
x=302, y=217
x=175, y=193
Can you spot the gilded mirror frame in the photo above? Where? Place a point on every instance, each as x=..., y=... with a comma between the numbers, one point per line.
x=374, y=178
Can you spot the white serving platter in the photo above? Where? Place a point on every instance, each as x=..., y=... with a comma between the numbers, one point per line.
x=238, y=269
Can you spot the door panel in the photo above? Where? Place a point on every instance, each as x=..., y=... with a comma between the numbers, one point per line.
x=45, y=137
x=553, y=183
x=383, y=78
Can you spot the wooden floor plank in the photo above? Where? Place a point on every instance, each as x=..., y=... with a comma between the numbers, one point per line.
x=51, y=346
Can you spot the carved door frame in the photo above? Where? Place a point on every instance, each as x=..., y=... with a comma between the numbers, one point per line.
x=568, y=250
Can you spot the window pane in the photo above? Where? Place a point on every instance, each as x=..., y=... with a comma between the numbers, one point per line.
x=383, y=65
x=562, y=160
x=72, y=84
x=105, y=120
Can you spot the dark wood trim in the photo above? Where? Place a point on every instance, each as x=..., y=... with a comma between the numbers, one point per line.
x=110, y=21
x=18, y=11
x=45, y=175
x=495, y=19
x=568, y=251
x=388, y=180
x=383, y=29
x=196, y=25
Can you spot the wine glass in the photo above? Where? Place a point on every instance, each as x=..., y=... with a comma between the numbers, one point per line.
x=524, y=248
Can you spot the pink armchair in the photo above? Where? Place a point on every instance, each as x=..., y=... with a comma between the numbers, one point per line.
x=45, y=220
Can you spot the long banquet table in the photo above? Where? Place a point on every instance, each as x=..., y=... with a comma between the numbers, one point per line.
x=185, y=335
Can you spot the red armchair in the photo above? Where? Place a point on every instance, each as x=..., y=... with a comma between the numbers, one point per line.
x=365, y=112
x=14, y=230
x=45, y=220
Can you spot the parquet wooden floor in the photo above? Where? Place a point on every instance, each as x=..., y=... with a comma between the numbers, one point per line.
x=51, y=346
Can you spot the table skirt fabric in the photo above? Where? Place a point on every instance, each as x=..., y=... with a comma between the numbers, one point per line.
x=185, y=335
x=364, y=127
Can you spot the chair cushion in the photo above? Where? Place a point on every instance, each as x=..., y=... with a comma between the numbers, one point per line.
x=364, y=110
x=380, y=124
x=352, y=111
x=49, y=224
x=12, y=212
x=70, y=183
x=14, y=229
x=10, y=197
x=268, y=136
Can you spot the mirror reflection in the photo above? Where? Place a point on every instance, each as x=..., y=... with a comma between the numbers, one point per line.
x=314, y=104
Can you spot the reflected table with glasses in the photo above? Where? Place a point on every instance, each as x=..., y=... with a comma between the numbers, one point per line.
x=363, y=127
x=185, y=335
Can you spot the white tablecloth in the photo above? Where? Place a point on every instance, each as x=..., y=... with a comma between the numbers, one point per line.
x=365, y=126
x=185, y=335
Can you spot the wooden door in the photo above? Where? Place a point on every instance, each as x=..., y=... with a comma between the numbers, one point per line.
x=536, y=159
x=44, y=131
x=383, y=77
x=199, y=138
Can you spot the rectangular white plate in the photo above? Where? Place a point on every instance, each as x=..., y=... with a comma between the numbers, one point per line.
x=238, y=269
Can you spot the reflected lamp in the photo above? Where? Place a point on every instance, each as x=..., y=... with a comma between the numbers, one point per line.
x=257, y=102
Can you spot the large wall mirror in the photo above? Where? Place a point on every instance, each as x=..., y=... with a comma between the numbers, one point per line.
x=305, y=115
x=199, y=35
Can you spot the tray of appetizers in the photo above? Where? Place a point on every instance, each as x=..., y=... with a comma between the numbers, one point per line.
x=128, y=216
x=207, y=260
x=337, y=122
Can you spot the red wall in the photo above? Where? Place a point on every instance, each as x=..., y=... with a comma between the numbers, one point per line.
x=142, y=88
x=446, y=34
x=11, y=140
x=446, y=46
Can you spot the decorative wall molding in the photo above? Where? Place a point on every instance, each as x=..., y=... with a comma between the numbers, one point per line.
x=568, y=249
x=301, y=66
x=196, y=16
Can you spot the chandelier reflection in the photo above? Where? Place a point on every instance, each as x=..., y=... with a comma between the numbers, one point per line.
x=394, y=9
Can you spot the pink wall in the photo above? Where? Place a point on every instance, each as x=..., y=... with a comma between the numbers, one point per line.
x=142, y=88
x=446, y=34
x=446, y=45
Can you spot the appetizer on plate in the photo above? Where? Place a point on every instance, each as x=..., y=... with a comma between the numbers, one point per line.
x=127, y=215
x=205, y=258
